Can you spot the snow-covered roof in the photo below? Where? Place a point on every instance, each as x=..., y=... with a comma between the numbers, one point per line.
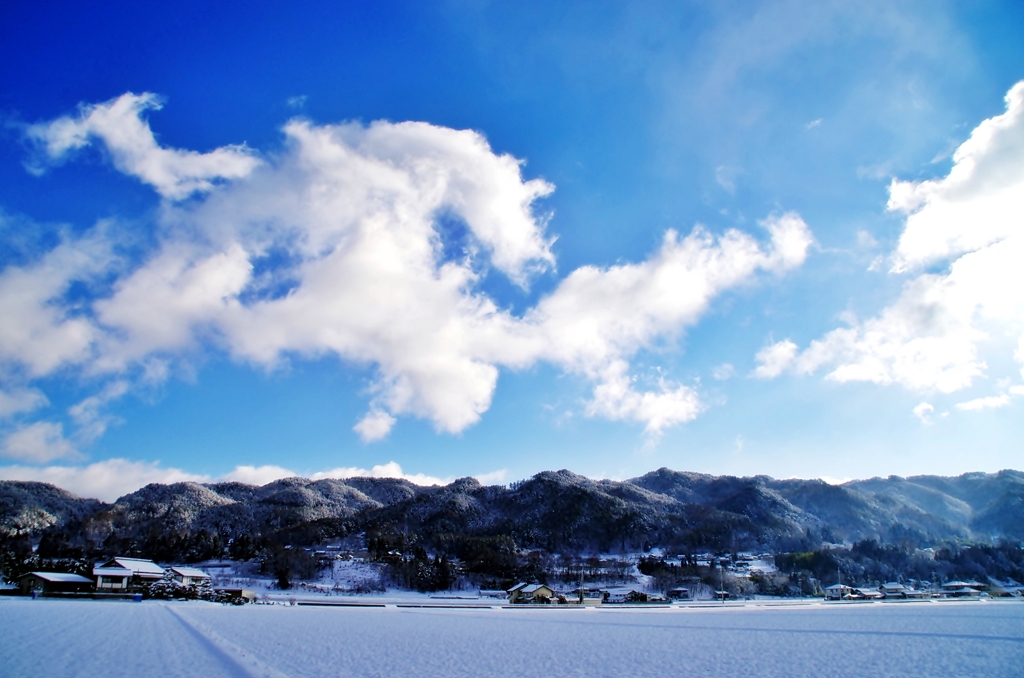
x=533, y=588
x=518, y=586
x=190, y=572
x=111, y=572
x=867, y=591
x=61, y=577
x=138, y=565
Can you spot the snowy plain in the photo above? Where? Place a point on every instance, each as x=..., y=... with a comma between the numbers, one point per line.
x=164, y=639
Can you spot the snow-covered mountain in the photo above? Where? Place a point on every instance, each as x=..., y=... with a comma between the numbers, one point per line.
x=556, y=510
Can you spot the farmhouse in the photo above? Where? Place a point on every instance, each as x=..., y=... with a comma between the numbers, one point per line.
x=893, y=589
x=624, y=594
x=866, y=592
x=142, y=571
x=54, y=582
x=838, y=592
x=530, y=593
x=189, y=575
x=112, y=579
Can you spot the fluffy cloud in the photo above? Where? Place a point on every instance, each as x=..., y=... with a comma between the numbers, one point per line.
x=988, y=403
x=923, y=411
x=38, y=443
x=374, y=426
x=107, y=480
x=368, y=243
x=930, y=338
x=19, y=400
x=126, y=135
x=39, y=333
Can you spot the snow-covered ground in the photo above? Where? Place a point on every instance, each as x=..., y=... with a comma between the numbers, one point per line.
x=91, y=638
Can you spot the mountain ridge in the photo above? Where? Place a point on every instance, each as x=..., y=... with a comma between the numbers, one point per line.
x=553, y=510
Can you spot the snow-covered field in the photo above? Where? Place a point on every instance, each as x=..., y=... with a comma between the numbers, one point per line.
x=58, y=638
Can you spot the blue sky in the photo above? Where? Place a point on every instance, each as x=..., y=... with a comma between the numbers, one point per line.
x=470, y=238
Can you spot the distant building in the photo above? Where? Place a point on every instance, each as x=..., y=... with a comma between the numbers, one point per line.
x=893, y=589
x=189, y=575
x=142, y=571
x=530, y=593
x=961, y=589
x=623, y=594
x=112, y=579
x=838, y=592
x=679, y=593
x=54, y=582
x=866, y=592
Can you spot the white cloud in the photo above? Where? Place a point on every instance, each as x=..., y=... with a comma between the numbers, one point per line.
x=38, y=443
x=120, y=125
x=725, y=177
x=40, y=333
x=358, y=216
x=930, y=338
x=866, y=240
x=775, y=359
x=597, y=318
x=989, y=403
x=297, y=101
x=257, y=475
x=978, y=204
x=923, y=411
x=1017, y=390
x=19, y=400
x=616, y=399
x=106, y=480
x=88, y=414
x=113, y=478
x=374, y=426
x=492, y=477
x=813, y=123
x=723, y=372
x=389, y=470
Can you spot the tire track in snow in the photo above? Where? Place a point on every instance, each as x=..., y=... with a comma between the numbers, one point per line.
x=239, y=662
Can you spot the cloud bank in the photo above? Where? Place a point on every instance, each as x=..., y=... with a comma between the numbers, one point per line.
x=969, y=226
x=369, y=243
x=113, y=478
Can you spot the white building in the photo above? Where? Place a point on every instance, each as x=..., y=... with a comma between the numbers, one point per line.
x=189, y=575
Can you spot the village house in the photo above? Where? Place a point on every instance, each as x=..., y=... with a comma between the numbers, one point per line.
x=112, y=579
x=530, y=593
x=838, y=592
x=893, y=589
x=188, y=576
x=867, y=593
x=961, y=589
x=54, y=582
x=679, y=593
x=622, y=594
x=142, y=571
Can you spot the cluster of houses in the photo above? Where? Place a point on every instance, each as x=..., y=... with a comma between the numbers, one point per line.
x=895, y=590
x=526, y=594
x=119, y=575
x=542, y=594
